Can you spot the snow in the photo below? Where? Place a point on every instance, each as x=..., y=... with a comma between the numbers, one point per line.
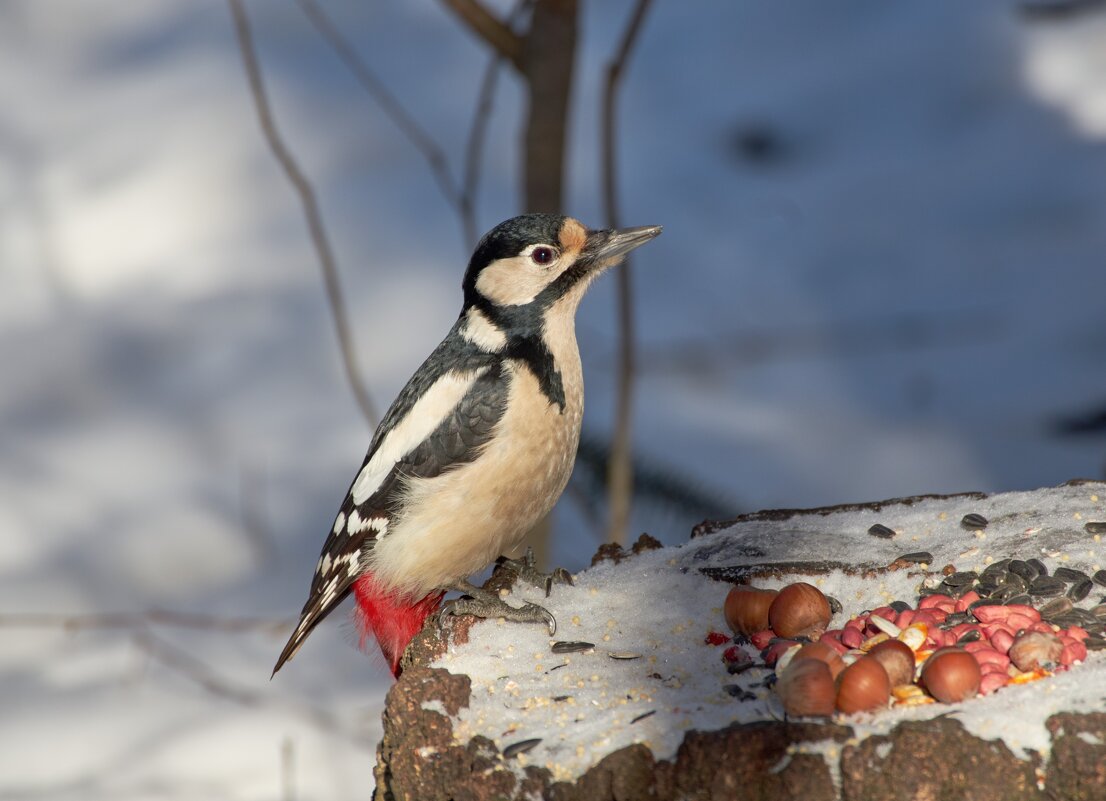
x=659, y=604
x=904, y=300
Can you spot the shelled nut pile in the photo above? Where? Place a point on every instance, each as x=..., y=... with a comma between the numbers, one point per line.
x=965, y=634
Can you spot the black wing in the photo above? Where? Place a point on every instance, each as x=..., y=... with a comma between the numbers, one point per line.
x=456, y=441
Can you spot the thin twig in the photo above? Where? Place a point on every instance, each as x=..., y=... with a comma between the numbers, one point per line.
x=388, y=102
x=490, y=28
x=184, y=663
x=474, y=147
x=620, y=477
x=139, y=620
x=310, y=209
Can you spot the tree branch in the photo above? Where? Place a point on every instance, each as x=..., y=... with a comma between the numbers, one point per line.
x=474, y=146
x=620, y=475
x=138, y=620
x=310, y=209
x=387, y=101
x=490, y=28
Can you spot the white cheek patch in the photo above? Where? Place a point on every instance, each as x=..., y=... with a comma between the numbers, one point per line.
x=480, y=331
x=419, y=423
x=515, y=281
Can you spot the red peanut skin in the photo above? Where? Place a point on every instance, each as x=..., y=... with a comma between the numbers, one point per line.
x=1018, y=621
x=966, y=600
x=960, y=629
x=1074, y=651
x=991, y=682
x=1077, y=633
x=933, y=600
x=905, y=618
x=991, y=614
x=761, y=638
x=833, y=640
x=1022, y=609
x=990, y=655
x=1002, y=641
x=851, y=638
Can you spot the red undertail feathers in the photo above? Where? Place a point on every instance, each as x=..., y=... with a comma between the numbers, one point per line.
x=391, y=619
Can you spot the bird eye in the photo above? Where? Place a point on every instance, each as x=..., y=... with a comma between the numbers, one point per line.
x=542, y=255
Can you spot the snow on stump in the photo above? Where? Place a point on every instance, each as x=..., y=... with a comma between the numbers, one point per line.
x=643, y=693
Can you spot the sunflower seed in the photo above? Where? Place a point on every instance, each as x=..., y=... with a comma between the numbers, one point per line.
x=1004, y=594
x=997, y=567
x=987, y=588
x=737, y=668
x=1068, y=575
x=969, y=636
x=1099, y=578
x=973, y=521
x=559, y=698
x=1014, y=580
x=956, y=618
x=1080, y=590
x=521, y=747
x=1046, y=587
x=1023, y=569
x=1065, y=621
x=881, y=531
x=1095, y=643
x=898, y=606
x=1038, y=565
x=835, y=605
x=961, y=579
x=623, y=655
x=1087, y=620
x=644, y=715
x=1022, y=599
x=916, y=557
x=1095, y=527
x=571, y=646
x=739, y=692
x=1099, y=611
x=1057, y=606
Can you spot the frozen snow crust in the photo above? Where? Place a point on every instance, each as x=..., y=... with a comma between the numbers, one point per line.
x=651, y=677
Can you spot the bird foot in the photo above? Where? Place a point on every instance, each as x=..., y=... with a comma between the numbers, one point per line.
x=526, y=570
x=488, y=605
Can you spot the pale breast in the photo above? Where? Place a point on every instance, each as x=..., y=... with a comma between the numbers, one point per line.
x=461, y=521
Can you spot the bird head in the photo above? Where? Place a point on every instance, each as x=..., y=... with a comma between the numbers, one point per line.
x=524, y=266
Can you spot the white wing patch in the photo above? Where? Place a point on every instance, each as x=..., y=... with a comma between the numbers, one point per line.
x=340, y=522
x=357, y=524
x=419, y=423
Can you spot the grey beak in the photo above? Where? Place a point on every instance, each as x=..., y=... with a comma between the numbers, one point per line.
x=611, y=246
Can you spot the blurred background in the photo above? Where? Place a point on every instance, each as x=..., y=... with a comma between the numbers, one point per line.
x=882, y=274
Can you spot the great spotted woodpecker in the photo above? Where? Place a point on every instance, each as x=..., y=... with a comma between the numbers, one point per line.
x=479, y=444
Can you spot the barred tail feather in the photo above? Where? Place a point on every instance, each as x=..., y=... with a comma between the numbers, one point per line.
x=391, y=619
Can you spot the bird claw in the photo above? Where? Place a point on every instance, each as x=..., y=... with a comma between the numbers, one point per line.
x=493, y=607
x=526, y=569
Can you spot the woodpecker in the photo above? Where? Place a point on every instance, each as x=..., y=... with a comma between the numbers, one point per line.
x=477, y=447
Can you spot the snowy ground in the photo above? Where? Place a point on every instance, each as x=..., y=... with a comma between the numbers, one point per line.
x=901, y=297
x=660, y=607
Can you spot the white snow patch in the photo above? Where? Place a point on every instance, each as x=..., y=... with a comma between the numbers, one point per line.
x=584, y=705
